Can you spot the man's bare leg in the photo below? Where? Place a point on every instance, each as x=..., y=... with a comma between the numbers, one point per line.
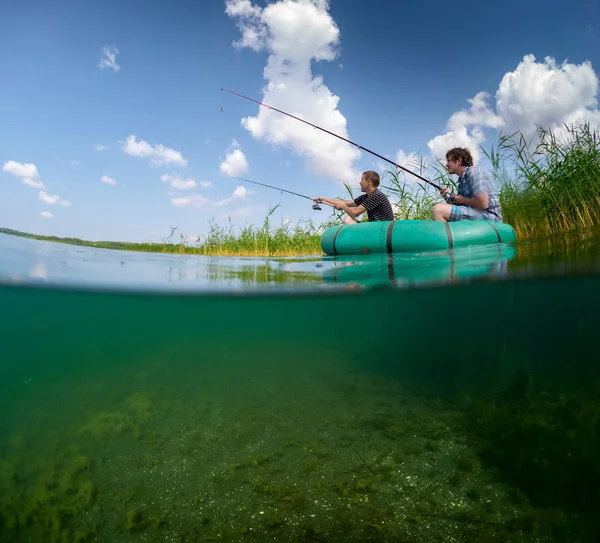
x=349, y=220
x=441, y=212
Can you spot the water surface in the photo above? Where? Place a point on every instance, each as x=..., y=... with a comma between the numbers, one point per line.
x=438, y=397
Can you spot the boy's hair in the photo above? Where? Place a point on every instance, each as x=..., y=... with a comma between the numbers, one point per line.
x=372, y=176
x=460, y=152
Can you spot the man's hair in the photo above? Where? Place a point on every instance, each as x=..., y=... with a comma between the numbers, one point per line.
x=460, y=152
x=372, y=176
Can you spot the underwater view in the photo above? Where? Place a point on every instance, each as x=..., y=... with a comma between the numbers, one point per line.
x=449, y=396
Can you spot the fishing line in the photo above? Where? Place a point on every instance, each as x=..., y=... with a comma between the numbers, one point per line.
x=343, y=139
x=315, y=205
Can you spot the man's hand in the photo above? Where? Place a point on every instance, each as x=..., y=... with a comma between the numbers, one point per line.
x=444, y=192
x=459, y=200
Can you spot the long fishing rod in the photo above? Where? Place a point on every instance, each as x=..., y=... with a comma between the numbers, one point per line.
x=344, y=139
x=315, y=205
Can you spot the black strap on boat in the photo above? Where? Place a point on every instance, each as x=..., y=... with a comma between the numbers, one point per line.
x=335, y=237
x=449, y=233
x=388, y=238
x=496, y=230
x=390, y=264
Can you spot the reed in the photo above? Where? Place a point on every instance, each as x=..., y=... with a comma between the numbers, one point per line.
x=549, y=184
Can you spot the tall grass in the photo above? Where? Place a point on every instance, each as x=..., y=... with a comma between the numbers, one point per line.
x=412, y=199
x=268, y=240
x=549, y=184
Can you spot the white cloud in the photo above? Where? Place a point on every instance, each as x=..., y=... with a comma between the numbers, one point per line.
x=205, y=184
x=295, y=33
x=235, y=163
x=193, y=200
x=52, y=200
x=547, y=94
x=109, y=58
x=21, y=170
x=535, y=93
x=46, y=214
x=27, y=172
x=99, y=147
x=239, y=193
x=108, y=180
x=74, y=163
x=33, y=183
x=158, y=154
x=476, y=117
x=177, y=183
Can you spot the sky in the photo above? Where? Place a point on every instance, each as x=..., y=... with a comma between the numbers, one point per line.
x=113, y=125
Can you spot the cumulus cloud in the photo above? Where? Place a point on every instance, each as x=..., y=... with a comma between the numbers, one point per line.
x=239, y=193
x=547, y=94
x=465, y=128
x=534, y=94
x=235, y=163
x=74, y=163
x=109, y=58
x=158, y=154
x=99, y=147
x=193, y=200
x=46, y=214
x=177, y=183
x=28, y=173
x=295, y=33
x=108, y=180
x=52, y=200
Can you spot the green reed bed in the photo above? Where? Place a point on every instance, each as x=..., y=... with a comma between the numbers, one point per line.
x=552, y=185
x=268, y=240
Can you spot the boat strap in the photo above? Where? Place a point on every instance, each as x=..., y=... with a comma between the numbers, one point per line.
x=334, y=238
x=449, y=232
x=496, y=230
x=388, y=238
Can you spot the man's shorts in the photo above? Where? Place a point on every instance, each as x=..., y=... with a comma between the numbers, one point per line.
x=464, y=213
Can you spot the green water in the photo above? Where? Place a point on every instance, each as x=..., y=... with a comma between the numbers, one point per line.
x=262, y=401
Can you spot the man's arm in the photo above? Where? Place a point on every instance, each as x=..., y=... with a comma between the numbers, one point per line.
x=354, y=211
x=480, y=201
x=334, y=202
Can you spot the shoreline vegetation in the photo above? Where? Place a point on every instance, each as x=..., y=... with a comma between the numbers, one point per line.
x=547, y=185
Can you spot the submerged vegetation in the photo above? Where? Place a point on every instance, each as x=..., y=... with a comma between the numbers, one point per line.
x=547, y=185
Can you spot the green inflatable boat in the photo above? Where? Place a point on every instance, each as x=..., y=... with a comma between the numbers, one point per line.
x=412, y=236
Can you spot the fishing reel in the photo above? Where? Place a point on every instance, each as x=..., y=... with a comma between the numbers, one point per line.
x=316, y=207
x=449, y=197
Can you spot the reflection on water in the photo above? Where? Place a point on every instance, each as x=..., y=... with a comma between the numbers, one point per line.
x=420, y=269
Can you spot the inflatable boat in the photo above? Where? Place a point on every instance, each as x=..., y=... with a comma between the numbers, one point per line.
x=412, y=236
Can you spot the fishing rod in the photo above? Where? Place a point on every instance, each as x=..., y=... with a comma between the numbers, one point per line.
x=447, y=196
x=315, y=205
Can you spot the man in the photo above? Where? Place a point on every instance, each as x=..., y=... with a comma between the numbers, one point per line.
x=476, y=198
x=373, y=201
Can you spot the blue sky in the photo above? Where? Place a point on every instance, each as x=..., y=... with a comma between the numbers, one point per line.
x=141, y=81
